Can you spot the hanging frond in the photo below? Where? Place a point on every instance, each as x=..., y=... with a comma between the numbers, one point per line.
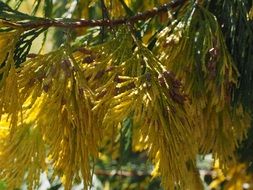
x=238, y=33
x=9, y=97
x=208, y=74
x=133, y=82
x=69, y=124
x=55, y=81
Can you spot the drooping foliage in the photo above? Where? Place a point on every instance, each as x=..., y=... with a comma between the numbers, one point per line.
x=175, y=85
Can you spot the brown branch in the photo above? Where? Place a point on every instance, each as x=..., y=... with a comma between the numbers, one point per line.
x=66, y=23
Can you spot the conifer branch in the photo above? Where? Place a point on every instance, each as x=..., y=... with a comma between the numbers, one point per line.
x=72, y=23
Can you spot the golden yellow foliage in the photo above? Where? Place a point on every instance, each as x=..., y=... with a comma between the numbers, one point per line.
x=23, y=154
x=56, y=103
x=60, y=108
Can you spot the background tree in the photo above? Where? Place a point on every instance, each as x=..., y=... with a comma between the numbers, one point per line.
x=125, y=81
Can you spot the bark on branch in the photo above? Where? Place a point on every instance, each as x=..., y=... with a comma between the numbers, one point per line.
x=72, y=23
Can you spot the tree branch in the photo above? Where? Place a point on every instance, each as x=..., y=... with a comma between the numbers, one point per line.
x=72, y=23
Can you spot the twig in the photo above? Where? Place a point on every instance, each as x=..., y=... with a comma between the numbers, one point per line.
x=67, y=23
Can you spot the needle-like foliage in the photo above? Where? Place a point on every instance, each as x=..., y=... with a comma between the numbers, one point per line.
x=173, y=82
